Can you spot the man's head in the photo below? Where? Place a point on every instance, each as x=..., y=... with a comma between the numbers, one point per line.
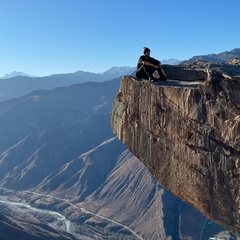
x=146, y=51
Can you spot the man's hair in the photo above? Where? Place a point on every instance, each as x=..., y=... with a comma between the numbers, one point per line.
x=145, y=49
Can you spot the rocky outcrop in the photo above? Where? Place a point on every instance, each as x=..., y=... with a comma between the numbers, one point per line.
x=188, y=134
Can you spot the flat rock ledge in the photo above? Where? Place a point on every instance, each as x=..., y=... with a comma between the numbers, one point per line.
x=188, y=136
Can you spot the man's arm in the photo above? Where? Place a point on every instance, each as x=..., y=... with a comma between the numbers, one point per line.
x=152, y=62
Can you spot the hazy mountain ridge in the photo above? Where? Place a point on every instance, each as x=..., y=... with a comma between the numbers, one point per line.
x=116, y=71
x=20, y=85
x=171, y=61
x=65, y=106
x=15, y=74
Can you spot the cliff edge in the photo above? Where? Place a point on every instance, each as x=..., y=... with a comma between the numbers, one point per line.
x=187, y=133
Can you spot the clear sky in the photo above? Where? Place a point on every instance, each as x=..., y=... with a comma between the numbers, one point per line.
x=43, y=37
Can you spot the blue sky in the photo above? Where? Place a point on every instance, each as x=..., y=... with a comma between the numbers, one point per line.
x=43, y=37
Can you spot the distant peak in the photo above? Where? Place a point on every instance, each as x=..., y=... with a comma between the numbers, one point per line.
x=118, y=71
x=14, y=74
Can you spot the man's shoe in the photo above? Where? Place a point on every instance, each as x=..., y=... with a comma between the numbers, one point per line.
x=150, y=78
x=153, y=79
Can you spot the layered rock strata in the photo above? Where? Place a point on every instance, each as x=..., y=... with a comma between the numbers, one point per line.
x=188, y=134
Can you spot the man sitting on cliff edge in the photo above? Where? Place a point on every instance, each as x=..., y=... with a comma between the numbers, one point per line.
x=147, y=66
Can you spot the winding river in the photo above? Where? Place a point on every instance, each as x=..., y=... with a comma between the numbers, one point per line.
x=24, y=207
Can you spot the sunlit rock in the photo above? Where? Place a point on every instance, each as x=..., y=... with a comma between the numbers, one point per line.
x=187, y=133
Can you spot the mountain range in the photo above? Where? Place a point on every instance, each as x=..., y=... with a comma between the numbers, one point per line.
x=58, y=152
x=111, y=73
x=115, y=72
x=220, y=57
x=19, y=85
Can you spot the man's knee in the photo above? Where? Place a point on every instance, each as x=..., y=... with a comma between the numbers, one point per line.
x=150, y=69
x=156, y=62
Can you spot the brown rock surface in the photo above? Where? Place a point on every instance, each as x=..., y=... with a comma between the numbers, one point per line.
x=187, y=134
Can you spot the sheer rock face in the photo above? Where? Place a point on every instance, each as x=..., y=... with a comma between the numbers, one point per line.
x=189, y=136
